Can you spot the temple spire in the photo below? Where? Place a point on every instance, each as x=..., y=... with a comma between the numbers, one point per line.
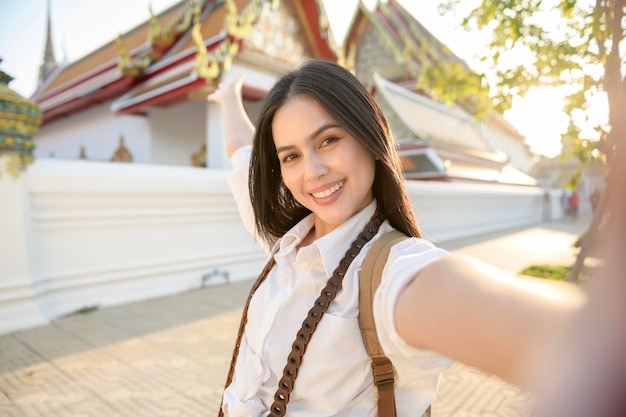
x=49, y=61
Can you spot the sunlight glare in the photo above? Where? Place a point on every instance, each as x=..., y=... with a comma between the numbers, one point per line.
x=539, y=117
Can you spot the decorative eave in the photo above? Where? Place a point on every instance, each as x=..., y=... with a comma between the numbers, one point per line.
x=433, y=122
x=166, y=81
x=175, y=58
x=317, y=29
x=409, y=42
x=160, y=38
x=475, y=156
x=428, y=162
x=415, y=37
x=96, y=77
x=199, y=66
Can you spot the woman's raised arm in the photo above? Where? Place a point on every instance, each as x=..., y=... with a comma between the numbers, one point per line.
x=239, y=135
x=238, y=127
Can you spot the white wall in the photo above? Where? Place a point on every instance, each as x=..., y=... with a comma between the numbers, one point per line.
x=98, y=129
x=99, y=234
x=451, y=210
x=79, y=233
x=178, y=132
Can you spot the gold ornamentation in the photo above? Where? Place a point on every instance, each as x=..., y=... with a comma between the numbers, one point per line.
x=206, y=67
x=122, y=154
x=160, y=39
x=20, y=119
x=125, y=64
x=238, y=27
x=198, y=159
x=155, y=26
x=16, y=164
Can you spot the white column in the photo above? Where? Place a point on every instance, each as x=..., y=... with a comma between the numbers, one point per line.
x=18, y=255
x=216, y=144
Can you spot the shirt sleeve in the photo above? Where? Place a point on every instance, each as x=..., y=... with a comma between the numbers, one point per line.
x=238, y=183
x=405, y=260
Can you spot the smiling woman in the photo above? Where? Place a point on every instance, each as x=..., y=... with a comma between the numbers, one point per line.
x=322, y=183
x=327, y=170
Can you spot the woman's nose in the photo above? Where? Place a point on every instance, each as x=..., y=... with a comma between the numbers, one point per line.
x=314, y=167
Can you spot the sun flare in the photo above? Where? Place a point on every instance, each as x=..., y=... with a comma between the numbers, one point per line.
x=539, y=117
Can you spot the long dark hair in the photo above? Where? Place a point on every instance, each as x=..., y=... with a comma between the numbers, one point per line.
x=346, y=100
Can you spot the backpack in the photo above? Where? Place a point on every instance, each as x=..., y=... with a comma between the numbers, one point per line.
x=371, y=275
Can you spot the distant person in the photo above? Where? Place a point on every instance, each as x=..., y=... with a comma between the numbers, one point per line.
x=574, y=200
x=320, y=184
x=565, y=204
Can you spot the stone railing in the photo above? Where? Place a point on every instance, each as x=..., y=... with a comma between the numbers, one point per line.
x=80, y=234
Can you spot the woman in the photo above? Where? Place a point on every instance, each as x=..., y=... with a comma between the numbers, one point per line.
x=323, y=168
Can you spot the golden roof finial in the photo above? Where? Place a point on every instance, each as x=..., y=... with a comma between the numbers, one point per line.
x=155, y=26
x=125, y=65
x=238, y=26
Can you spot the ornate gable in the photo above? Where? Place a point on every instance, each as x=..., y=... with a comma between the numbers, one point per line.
x=286, y=37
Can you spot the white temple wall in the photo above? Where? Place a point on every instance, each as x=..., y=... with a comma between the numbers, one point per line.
x=92, y=234
x=178, y=132
x=452, y=210
x=97, y=129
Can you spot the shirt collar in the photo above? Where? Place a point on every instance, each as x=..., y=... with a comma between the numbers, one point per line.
x=334, y=245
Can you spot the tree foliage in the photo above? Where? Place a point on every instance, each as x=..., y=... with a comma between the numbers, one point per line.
x=573, y=43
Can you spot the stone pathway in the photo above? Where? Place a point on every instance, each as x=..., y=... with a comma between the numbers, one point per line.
x=168, y=357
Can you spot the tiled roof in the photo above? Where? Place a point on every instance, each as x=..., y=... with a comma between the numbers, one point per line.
x=156, y=55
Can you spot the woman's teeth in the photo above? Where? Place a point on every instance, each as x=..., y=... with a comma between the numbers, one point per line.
x=329, y=192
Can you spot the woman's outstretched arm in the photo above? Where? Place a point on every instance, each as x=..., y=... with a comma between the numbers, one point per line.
x=239, y=134
x=238, y=127
x=485, y=317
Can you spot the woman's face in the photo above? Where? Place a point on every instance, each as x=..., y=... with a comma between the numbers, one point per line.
x=326, y=169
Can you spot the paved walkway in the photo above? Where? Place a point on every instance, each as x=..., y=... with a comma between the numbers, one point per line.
x=168, y=357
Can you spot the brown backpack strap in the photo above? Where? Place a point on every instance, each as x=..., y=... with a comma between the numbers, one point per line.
x=371, y=274
x=309, y=325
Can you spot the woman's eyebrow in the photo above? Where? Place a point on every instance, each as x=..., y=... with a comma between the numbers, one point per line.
x=312, y=136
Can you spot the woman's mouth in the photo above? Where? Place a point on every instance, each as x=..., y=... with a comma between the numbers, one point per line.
x=332, y=190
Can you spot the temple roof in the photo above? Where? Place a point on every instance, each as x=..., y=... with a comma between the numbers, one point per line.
x=402, y=34
x=181, y=49
x=443, y=142
x=434, y=122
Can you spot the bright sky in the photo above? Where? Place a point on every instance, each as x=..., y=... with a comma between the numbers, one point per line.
x=81, y=26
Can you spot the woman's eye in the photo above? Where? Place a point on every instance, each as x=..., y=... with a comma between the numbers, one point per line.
x=290, y=157
x=329, y=140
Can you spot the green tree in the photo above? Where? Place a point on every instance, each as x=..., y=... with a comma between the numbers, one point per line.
x=573, y=43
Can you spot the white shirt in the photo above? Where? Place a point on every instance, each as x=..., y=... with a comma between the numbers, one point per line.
x=335, y=377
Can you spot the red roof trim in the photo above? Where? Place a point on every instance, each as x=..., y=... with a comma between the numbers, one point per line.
x=83, y=102
x=164, y=97
x=77, y=81
x=312, y=15
x=390, y=27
